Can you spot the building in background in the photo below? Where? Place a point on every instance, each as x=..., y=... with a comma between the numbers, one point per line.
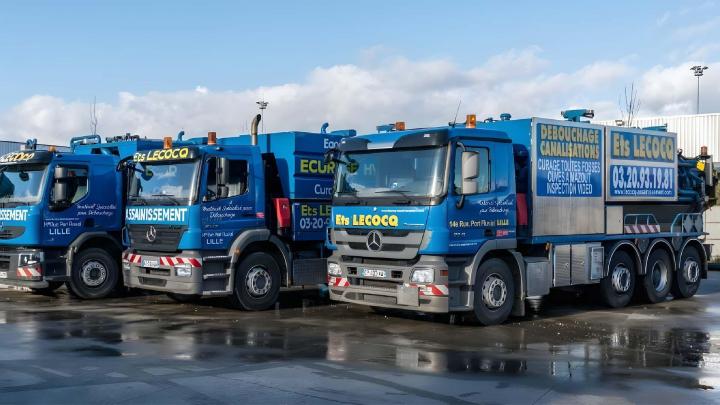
x=13, y=146
x=693, y=132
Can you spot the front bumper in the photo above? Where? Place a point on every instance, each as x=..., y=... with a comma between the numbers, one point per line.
x=24, y=268
x=395, y=290
x=160, y=272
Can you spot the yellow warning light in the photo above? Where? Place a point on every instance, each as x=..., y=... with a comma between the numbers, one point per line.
x=703, y=151
x=400, y=126
x=700, y=165
x=52, y=148
x=471, y=121
x=212, y=138
x=167, y=142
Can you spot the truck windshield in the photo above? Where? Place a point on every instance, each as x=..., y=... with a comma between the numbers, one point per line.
x=162, y=183
x=399, y=174
x=21, y=184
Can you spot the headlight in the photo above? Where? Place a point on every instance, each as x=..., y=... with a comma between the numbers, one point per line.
x=334, y=269
x=183, y=270
x=126, y=265
x=423, y=276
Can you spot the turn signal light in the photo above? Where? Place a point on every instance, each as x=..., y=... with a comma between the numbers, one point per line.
x=471, y=121
x=212, y=138
x=167, y=142
x=282, y=212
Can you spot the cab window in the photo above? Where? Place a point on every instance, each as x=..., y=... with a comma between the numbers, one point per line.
x=483, y=178
x=237, y=179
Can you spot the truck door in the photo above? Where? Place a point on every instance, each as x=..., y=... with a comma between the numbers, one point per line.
x=490, y=212
x=227, y=205
x=66, y=214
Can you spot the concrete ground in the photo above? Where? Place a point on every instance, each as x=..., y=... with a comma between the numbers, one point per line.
x=149, y=349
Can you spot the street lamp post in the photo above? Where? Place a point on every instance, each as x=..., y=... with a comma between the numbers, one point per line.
x=262, y=104
x=698, y=71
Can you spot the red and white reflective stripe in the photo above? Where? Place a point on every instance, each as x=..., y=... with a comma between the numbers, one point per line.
x=642, y=228
x=435, y=290
x=132, y=258
x=172, y=261
x=28, y=272
x=338, y=282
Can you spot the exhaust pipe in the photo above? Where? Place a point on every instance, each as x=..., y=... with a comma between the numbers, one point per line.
x=254, y=129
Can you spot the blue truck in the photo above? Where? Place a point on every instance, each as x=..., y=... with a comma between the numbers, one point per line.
x=240, y=217
x=61, y=215
x=474, y=218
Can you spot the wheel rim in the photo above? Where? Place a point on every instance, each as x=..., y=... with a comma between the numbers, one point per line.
x=494, y=291
x=691, y=269
x=93, y=273
x=258, y=281
x=621, y=279
x=659, y=274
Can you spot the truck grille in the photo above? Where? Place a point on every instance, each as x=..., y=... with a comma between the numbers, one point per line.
x=396, y=243
x=166, y=240
x=11, y=232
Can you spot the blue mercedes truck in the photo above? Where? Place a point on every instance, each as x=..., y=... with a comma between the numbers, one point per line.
x=474, y=218
x=61, y=215
x=240, y=217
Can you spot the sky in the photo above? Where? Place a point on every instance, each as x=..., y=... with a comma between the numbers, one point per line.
x=157, y=67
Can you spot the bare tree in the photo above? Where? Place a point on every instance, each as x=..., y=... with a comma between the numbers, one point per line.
x=94, y=117
x=629, y=104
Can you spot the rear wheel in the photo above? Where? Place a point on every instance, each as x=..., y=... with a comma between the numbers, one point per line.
x=95, y=274
x=257, y=282
x=617, y=288
x=49, y=290
x=687, y=277
x=494, y=292
x=657, y=281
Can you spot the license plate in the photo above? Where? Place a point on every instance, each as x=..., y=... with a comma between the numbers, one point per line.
x=3, y=274
x=154, y=263
x=374, y=273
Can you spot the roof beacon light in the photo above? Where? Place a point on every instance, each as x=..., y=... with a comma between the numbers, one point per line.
x=52, y=148
x=400, y=126
x=212, y=138
x=471, y=121
x=167, y=142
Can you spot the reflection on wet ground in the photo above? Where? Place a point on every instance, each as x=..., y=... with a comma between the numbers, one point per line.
x=151, y=349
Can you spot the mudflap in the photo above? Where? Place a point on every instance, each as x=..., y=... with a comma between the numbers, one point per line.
x=309, y=271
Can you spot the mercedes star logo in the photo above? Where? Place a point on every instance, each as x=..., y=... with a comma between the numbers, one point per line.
x=374, y=241
x=151, y=234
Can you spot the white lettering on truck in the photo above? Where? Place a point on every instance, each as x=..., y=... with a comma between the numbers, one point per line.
x=156, y=214
x=13, y=215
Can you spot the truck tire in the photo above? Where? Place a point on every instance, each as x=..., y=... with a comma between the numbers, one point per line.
x=257, y=282
x=494, y=292
x=616, y=290
x=94, y=274
x=687, y=276
x=184, y=298
x=656, y=283
x=49, y=290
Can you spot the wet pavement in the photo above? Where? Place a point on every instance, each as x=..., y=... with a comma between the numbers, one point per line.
x=149, y=349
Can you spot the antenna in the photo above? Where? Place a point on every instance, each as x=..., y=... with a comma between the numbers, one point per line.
x=456, y=113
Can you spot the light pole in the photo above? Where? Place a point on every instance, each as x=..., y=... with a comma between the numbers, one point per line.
x=262, y=104
x=698, y=72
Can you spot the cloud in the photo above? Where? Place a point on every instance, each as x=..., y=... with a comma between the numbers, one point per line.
x=672, y=90
x=361, y=96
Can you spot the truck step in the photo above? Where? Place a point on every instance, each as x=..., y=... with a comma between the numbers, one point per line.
x=215, y=275
x=215, y=292
x=216, y=259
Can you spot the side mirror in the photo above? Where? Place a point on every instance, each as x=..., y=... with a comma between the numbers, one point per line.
x=470, y=167
x=60, y=187
x=223, y=171
x=134, y=187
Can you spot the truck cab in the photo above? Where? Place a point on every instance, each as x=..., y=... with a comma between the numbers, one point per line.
x=61, y=216
x=240, y=217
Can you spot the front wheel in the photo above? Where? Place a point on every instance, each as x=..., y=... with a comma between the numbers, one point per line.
x=687, y=277
x=616, y=290
x=257, y=282
x=95, y=274
x=494, y=292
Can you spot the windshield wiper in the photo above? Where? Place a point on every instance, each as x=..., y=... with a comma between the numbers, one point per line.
x=174, y=199
x=403, y=193
x=137, y=199
x=353, y=194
